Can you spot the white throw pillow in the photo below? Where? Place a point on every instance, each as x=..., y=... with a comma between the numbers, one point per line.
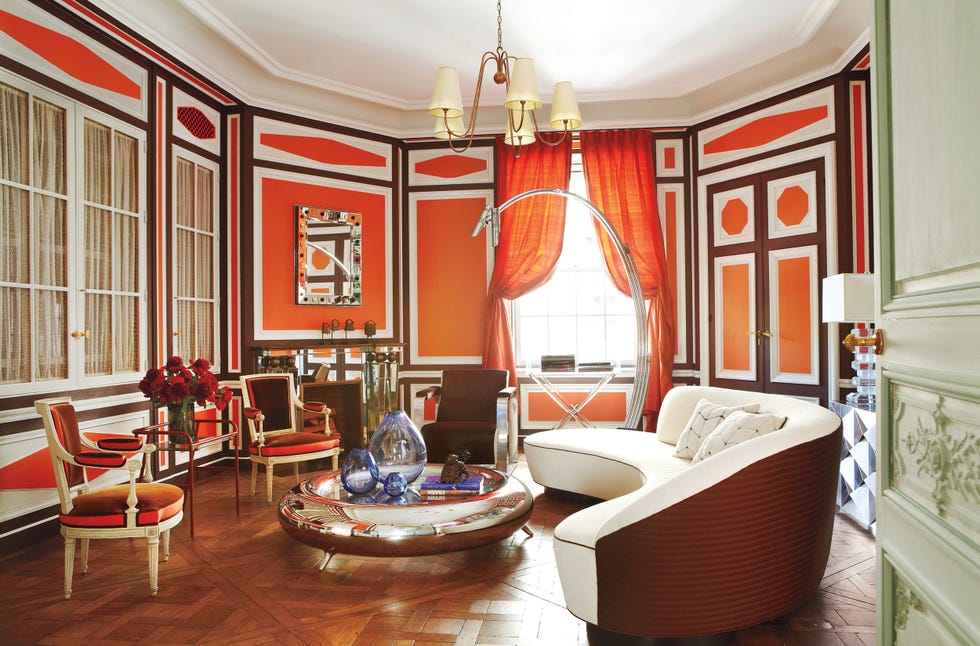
x=736, y=428
x=705, y=419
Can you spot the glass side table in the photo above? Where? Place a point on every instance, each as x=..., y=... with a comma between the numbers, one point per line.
x=173, y=441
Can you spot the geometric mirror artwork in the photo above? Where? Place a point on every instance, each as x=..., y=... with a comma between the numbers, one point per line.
x=328, y=256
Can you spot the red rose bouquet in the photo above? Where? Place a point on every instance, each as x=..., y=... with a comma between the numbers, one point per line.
x=179, y=387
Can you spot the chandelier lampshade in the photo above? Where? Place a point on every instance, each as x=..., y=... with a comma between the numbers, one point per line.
x=518, y=133
x=448, y=128
x=523, y=91
x=446, y=99
x=564, y=108
x=522, y=99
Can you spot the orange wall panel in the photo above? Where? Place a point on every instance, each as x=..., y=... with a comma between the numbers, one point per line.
x=452, y=277
x=604, y=407
x=794, y=315
x=278, y=231
x=735, y=317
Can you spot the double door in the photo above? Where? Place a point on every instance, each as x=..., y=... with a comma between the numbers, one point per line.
x=766, y=256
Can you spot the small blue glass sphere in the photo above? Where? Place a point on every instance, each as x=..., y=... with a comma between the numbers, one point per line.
x=360, y=472
x=395, y=484
x=397, y=446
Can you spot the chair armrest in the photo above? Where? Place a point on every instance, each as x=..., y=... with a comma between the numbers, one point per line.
x=120, y=444
x=428, y=393
x=316, y=407
x=252, y=413
x=418, y=403
x=505, y=435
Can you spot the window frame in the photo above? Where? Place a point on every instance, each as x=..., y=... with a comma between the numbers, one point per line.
x=178, y=265
x=626, y=363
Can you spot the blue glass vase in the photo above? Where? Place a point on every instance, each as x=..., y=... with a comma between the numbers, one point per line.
x=360, y=472
x=397, y=446
x=395, y=484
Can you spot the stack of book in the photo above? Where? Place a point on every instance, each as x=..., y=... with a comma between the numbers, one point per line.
x=595, y=366
x=558, y=363
x=469, y=486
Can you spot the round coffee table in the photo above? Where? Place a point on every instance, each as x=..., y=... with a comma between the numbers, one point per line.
x=321, y=513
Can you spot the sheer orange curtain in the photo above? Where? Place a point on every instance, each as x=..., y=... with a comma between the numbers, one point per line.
x=530, y=238
x=619, y=174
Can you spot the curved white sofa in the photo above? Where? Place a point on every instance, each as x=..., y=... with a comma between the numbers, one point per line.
x=680, y=549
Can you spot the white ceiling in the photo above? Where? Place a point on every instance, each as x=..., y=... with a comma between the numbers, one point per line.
x=371, y=63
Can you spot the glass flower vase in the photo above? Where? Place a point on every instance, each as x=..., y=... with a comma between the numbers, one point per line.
x=398, y=447
x=180, y=419
x=360, y=472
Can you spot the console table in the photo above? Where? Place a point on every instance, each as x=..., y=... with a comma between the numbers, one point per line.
x=572, y=411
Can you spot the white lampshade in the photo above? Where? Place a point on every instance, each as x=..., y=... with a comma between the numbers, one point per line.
x=523, y=86
x=455, y=124
x=564, y=108
x=849, y=298
x=446, y=98
x=525, y=133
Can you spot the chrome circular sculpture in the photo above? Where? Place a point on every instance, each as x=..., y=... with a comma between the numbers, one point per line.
x=491, y=216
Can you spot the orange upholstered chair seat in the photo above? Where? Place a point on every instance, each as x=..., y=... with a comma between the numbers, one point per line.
x=107, y=507
x=295, y=443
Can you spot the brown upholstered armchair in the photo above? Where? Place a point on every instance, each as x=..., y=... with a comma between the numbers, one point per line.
x=475, y=410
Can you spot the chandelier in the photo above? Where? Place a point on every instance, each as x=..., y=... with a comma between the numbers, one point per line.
x=517, y=74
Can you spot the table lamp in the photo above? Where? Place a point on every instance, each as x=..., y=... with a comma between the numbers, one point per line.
x=850, y=298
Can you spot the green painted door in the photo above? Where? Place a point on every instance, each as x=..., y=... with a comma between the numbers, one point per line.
x=926, y=58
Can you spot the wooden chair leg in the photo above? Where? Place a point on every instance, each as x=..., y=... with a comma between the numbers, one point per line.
x=336, y=461
x=69, y=564
x=84, y=542
x=255, y=473
x=296, y=471
x=165, y=539
x=152, y=554
x=268, y=482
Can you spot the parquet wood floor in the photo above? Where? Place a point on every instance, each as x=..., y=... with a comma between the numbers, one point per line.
x=244, y=581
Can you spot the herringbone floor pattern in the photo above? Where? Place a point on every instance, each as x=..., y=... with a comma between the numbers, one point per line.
x=243, y=581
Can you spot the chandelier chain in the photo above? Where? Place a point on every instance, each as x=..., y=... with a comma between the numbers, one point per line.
x=500, y=31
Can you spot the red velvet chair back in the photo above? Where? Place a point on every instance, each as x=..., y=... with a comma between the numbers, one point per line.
x=66, y=428
x=271, y=395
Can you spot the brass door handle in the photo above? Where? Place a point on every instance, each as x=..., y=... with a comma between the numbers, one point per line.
x=876, y=342
x=79, y=334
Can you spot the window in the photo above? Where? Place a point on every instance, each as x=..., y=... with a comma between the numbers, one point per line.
x=72, y=312
x=579, y=311
x=112, y=255
x=195, y=259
